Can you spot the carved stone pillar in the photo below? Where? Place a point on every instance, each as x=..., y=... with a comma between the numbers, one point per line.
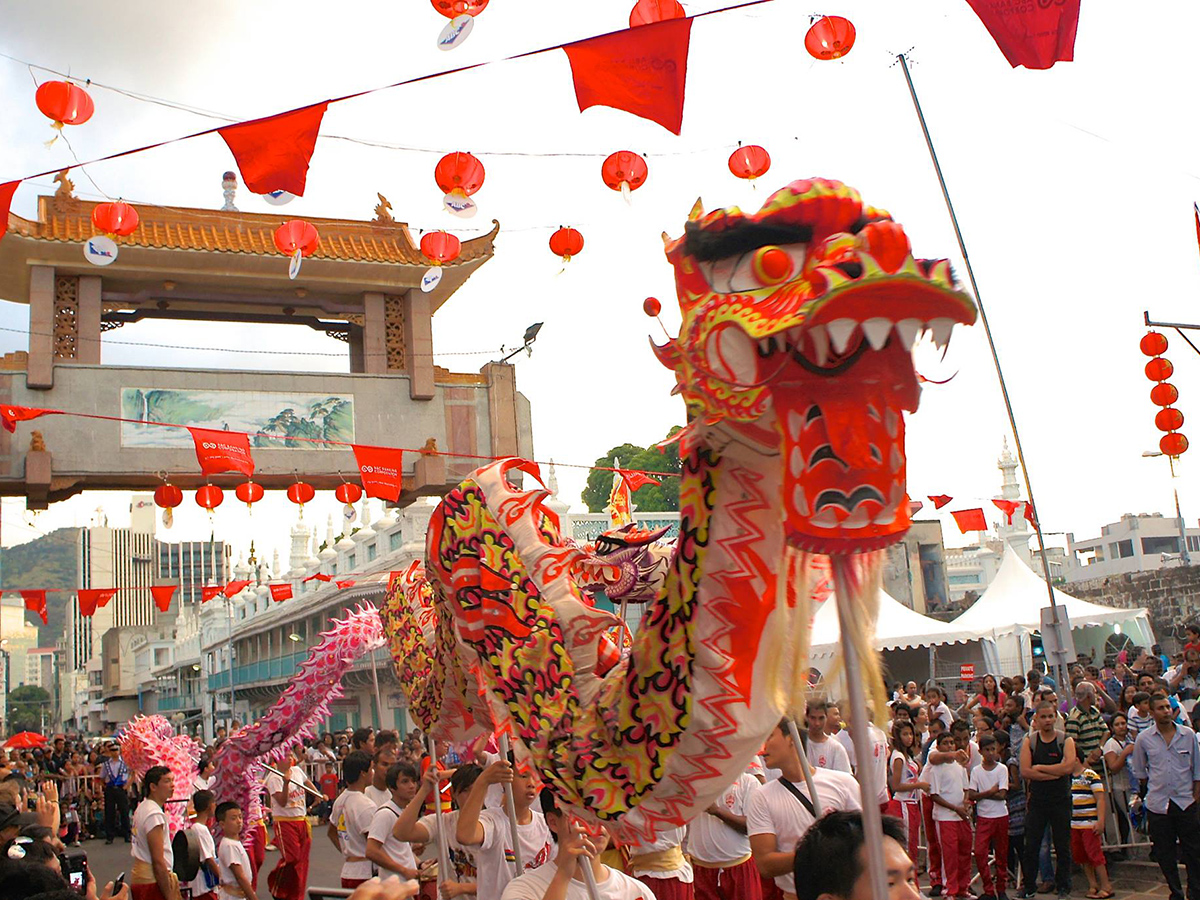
x=87, y=321
x=41, y=328
x=418, y=344
x=502, y=408
x=374, y=345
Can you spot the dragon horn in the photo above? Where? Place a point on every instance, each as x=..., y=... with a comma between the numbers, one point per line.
x=697, y=210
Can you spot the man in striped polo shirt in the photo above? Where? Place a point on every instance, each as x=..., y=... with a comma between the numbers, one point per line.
x=1086, y=725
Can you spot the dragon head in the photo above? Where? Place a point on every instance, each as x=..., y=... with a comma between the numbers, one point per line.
x=798, y=325
x=629, y=564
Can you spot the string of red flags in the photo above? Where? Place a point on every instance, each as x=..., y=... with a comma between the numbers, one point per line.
x=91, y=599
x=235, y=587
x=162, y=594
x=381, y=470
x=939, y=500
x=223, y=451
x=317, y=576
x=1034, y=35
x=35, y=601
x=273, y=154
x=969, y=519
x=636, y=479
x=280, y=592
x=208, y=592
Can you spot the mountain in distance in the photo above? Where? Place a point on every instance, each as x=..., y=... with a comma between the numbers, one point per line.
x=49, y=561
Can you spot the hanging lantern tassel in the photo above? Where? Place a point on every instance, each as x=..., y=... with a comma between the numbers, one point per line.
x=63, y=103
x=624, y=171
x=249, y=493
x=209, y=496
x=348, y=494
x=300, y=493
x=167, y=497
x=566, y=242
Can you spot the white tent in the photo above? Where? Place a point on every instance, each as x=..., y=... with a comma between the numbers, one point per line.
x=1009, y=611
x=898, y=628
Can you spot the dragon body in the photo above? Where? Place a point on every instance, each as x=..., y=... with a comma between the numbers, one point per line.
x=793, y=360
x=148, y=741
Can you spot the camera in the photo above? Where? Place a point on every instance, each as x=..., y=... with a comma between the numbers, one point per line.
x=75, y=869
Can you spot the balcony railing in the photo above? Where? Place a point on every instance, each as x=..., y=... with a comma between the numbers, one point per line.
x=178, y=701
x=278, y=668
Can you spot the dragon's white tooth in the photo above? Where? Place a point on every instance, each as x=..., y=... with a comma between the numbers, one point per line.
x=857, y=519
x=799, y=501
x=891, y=421
x=765, y=345
x=840, y=331
x=941, y=331
x=826, y=518
x=907, y=330
x=796, y=461
x=820, y=341
x=877, y=331
x=794, y=335
x=795, y=423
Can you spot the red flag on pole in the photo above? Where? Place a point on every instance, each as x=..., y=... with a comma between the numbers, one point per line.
x=222, y=451
x=640, y=70
x=6, y=194
x=35, y=601
x=280, y=592
x=91, y=599
x=162, y=594
x=636, y=480
x=939, y=500
x=1034, y=35
x=1008, y=507
x=273, y=153
x=11, y=415
x=381, y=469
x=236, y=587
x=969, y=520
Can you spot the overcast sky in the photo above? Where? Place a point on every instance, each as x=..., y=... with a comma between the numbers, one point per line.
x=1074, y=188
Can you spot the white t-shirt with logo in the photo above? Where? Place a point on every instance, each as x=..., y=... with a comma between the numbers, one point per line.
x=829, y=754
x=616, y=886
x=378, y=796
x=877, y=770
x=351, y=816
x=295, y=807
x=229, y=852
x=495, y=858
x=150, y=815
x=208, y=850
x=909, y=770
x=982, y=780
x=844, y=738
x=381, y=830
x=709, y=839
x=664, y=840
x=774, y=810
x=948, y=781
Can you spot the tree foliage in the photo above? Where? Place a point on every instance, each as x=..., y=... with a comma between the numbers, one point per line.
x=26, y=705
x=651, y=497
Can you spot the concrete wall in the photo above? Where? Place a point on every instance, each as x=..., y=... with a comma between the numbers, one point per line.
x=1171, y=595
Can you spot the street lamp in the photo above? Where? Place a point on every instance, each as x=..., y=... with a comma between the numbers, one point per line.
x=295, y=637
x=1184, y=558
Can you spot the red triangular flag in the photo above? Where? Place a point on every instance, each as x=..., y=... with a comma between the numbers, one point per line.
x=91, y=599
x=1008, y=507
x=1029, y=514
x=970, y=520
x=280, y=592
x=11, y=415
x=319, y=576
x=207, y=593
x=1034, y=35
x=273, y=153
x=236, y=587
x=349, y=582
x=162, y=594
x=641, y=70
x=6, y=194
x=223, y=451
x=381, y=469
x=636, y=480
x=939, y=500
x=35, y=601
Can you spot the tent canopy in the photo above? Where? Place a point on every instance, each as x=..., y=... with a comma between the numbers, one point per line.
x=897, y=628
x=1016, y=596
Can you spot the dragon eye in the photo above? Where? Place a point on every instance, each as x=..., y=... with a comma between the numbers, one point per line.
x=771, y=265
x=755, y=269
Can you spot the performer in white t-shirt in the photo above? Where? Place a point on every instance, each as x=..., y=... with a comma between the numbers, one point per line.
x=720, y=849
x=350, y=819
x=824, y=752
x=661, y=864
x=208, y=876
x=487, y=833
x=776, y=818
x=391, y=855
x=293, y=835
x=561, y=876
x=423, y=829
x=152, y=856
x=233, y=862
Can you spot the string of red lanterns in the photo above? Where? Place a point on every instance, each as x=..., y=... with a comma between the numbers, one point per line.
x=64, y=103
x=624, y=171
x=1168, y=419
x=749, y=162
x=439, y=247
x=459, y=175
x=566, y=242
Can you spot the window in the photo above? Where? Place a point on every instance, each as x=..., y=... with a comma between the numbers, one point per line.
x=371, y=551
x=1193, y=543
x=351, y=561
x=395, y=539
x=161, y=656
x=1122, y=549
x=963, y=579
x=1155, y=545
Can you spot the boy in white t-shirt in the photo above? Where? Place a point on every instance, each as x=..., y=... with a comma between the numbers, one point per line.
x=350, y=819
x=208, y=876
x=487, y=833
x=948, y=789
x=423, y=829
x=293, y=836
x=232, y=860
x=561, y=877
x=391, y=855
x=989, y=793
x=824, y=752
x=719, y=847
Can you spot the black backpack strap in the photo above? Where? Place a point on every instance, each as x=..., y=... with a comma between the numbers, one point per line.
x=795, y=792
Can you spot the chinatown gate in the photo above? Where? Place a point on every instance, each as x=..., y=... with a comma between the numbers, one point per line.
x=360, y=286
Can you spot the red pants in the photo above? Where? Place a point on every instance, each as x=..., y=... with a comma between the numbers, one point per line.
x=668, y=888
x=740, y=882
x=955, y=838
x=352, y=883
x=910, y=815
x=770, y=890
x=257, y=852
x=933, y=847
x=289, y=879
x=1086, y=849
x=145, y=892
x=992, y=834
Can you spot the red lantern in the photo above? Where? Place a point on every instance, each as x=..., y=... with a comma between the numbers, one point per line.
x=1173, y=444
x=117, y=218
x=830, y=37
x=1163, y=394
x=645, y=12
x=651, y=306
x=209, y=496
x=459, y=175
x=348, y=493
x=1159, y=369
x=249, y=493
x=451, y=9
x=1168, y=419
x=167, y=496
x=624, y=171
x=297, y=235
x=440, y=247
x=749, y=162
x=1153, y=343
x=65, y=103
x=566, y=242
x=300, y=493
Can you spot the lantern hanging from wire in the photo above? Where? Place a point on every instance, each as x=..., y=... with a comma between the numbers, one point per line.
x=749, y=162
x=829, y=37
x=209, y=496
x=249, y=493
x=624, y=171
x=1168, y=419
x=646, y=12
x=300, y=493
x=348, y=494
x=116, y=218
x=566, y=242
x=461, y=14
x=297, y=239
x=439, y=247
x=64, y=103
x=167, y=497
x=459, y=175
